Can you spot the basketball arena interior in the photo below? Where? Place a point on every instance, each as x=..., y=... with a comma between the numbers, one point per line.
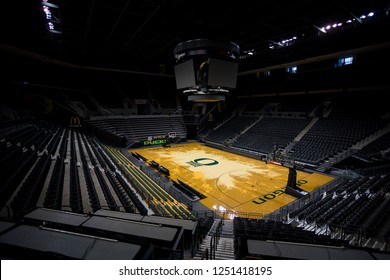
x=177, y=130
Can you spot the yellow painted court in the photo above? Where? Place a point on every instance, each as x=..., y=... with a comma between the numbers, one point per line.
x=231, y=181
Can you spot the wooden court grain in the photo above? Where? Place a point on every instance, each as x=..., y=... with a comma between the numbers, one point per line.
x=233, y=182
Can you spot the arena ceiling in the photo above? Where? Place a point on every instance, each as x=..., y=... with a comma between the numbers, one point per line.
x=141, y=35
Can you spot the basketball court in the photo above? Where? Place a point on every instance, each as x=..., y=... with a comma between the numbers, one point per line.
x=230, y=182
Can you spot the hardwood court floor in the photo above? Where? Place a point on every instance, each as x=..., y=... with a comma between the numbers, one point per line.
x=231, y=181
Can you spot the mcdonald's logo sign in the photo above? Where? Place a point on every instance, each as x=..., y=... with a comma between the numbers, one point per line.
x=75, y=122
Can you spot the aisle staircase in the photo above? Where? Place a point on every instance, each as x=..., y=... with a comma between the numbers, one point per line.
x=224, y=250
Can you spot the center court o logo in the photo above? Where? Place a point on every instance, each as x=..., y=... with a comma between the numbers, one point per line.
x=203, y=162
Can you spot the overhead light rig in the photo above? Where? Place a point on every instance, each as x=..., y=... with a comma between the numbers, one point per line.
x=206, y=70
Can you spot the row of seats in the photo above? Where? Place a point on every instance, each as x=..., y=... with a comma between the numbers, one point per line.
x=328, y=136
x=90, y=185
x=376, y=221
x=140, y=129
x=28, y=194
x=245, y=229
x=14, y=169
x=375, y=148
x=187, y=192
x=230, y=128
x=64, y=144
x=352, y=205
x=123, y=191
x=106, y=191
x=157, y=198
x=268, y=132
x=120, y=192
x=356, y=215
x=53, y=197
x=133, y=196
x=75, y=199
x=82, y=166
